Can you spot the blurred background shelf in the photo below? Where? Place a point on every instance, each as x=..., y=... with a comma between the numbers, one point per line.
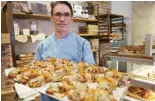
x=46, y=17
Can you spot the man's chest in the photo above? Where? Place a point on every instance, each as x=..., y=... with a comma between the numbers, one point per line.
x=71, y=51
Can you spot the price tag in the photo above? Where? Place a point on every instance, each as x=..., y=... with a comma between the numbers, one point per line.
x=33, y=27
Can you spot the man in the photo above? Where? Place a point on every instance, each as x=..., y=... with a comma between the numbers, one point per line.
x=64, y=44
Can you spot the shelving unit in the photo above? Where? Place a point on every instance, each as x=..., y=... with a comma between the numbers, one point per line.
x=111, y=30
x=109, y=24
x=83, y=35
x=17, y=15
x=8, y=29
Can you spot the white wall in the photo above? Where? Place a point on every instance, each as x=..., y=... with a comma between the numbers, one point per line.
x=124, y=8
x=143, y=20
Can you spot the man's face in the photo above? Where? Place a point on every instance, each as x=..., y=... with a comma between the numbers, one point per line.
x=62, y=17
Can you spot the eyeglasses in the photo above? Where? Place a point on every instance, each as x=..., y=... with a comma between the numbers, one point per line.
x=59, y=15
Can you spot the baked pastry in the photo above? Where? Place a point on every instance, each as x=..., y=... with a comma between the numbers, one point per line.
x=109, y=74
x=82, y=65
x=47, y=76
x=40, y=64
x=90, y=95
x=141, y=93
x=24, y=68
x=112, y=82
x=116, y=73
x=59, y=74
x=33, y=73
x=65, y=61
x=58, y=66
x=104, y=95
x=36, y=82
x=24, y=78
x=49, y=90
x=102, y=83
x=68, y=70
x=51, y=60
x=82, y=78
x=73, y=95
x=14, y=73
x=139, y=49
x=92, y=69
x=67, y=86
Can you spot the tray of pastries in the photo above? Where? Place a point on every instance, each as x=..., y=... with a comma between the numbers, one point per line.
x=132, y=50
x=135, y=93
x=64, y=79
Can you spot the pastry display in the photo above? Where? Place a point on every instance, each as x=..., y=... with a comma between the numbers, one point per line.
x=72, y=79
x=144, y=72
x=141, y=93
x=139, y=49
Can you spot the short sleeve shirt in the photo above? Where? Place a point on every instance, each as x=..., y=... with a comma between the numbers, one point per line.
x=72, y=47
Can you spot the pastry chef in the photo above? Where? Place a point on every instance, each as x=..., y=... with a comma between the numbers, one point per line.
x=62, y=43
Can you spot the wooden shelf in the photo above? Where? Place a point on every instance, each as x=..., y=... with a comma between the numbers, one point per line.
x=88, y=34
x=83, y=20
x=45, y=17
x=30, y=16
x=29, y=36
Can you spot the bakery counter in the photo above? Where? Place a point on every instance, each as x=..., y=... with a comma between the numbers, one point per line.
x=129, y=58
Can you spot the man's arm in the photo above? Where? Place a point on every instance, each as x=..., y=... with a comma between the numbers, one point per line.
x=87, y=53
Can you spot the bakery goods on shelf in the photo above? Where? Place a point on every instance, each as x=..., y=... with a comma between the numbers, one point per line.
x=139, y=49
x=140, y=93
